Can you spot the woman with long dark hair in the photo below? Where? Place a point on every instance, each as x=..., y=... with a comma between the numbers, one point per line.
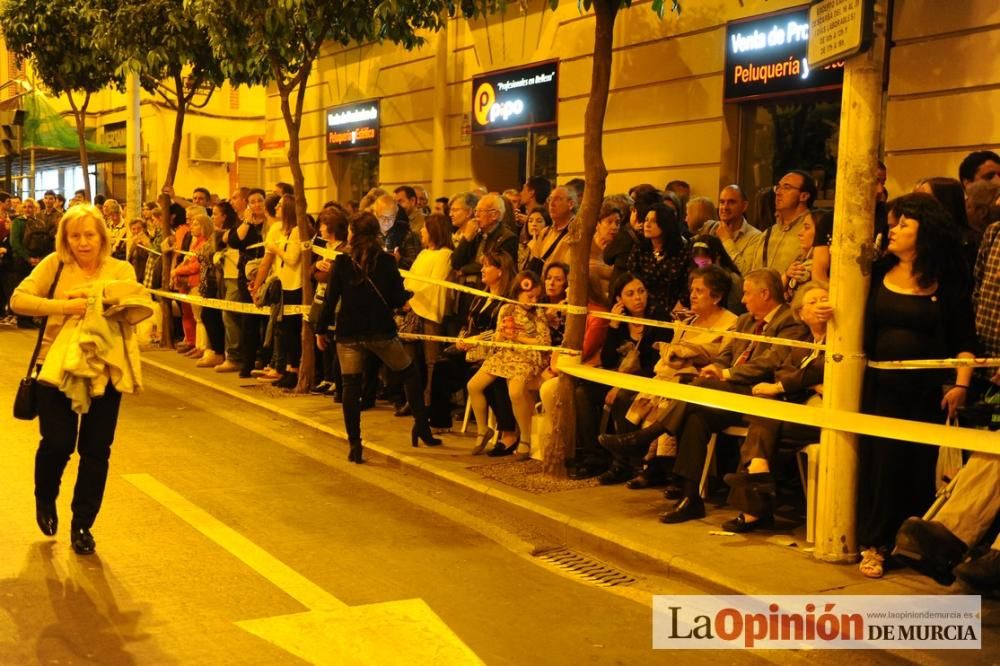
x=368, y=287
x=919, y=307
x=226, y=219
x=661, y=260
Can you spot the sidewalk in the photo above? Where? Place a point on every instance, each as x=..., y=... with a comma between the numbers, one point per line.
x=609, y=520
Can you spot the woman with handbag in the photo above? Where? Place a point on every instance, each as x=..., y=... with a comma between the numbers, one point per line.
x=58, y=289
x=367, y=285
x=429, y=303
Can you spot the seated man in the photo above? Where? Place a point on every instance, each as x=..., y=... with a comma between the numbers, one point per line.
x=798, y=379
x=938, y=546
x=739, y=366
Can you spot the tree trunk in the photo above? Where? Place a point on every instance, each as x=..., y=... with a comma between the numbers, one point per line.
x=175, y=147
x=582, y=231
x=79, y=115
x=166, y=305
x=293, y=122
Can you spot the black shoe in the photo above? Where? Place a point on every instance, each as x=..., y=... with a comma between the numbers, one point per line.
x=354, y=455
x=762, y=482
x=499, y=450
x=614, y=476
x=424, y=435
x=982, y=573
x=740, y=524
x=644, y=480
x=930, y=548
x=245, y=374
x=289, y=381
x=688, y=509
x=640, y=439
x=367, y=404
x=673, y=492
x=321, y=388
x=82, y=541
x=46, y=517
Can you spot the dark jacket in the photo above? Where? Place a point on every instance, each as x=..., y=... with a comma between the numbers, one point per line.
x=366, y=304
x=401, y=237
x=618, y=342
x=799, y=372
x=233, y=240
x=466, y=257
x=765, y=357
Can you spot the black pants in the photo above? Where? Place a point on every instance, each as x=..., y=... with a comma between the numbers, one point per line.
x=212, y=320
x=700, y=423
x=250, y=335
x=91, y=434
x=588, y=399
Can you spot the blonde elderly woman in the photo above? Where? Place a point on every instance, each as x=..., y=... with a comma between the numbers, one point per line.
x=59, y=288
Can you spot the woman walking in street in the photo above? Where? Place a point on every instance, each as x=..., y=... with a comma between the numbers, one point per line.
x=368, y=287
x=59, y=289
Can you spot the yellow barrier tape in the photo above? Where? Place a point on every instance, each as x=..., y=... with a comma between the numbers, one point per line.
x=231, y=306
x=327, y=253
x=924, y=364
x=488, y=343
x=983, y=441
x=787, y=342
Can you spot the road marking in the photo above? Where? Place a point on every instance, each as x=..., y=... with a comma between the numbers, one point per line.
x=330, y=632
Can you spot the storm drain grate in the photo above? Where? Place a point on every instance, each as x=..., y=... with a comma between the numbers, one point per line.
x=585, y=568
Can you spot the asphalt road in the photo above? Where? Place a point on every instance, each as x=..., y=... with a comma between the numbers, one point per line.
x=230, y=536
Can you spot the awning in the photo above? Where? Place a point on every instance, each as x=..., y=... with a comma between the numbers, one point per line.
x=51, y=136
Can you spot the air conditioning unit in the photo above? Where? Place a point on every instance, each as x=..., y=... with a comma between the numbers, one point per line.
x=205, y=148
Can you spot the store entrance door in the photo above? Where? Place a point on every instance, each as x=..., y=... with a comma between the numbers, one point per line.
x=353, y=174
x=779, y=135
x=505, y=161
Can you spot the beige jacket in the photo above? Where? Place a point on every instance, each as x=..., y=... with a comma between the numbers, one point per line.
x=101, y=346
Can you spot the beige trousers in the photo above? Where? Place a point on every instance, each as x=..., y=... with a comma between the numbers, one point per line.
x=974, y=501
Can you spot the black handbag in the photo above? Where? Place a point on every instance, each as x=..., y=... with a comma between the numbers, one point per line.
x=26, y=398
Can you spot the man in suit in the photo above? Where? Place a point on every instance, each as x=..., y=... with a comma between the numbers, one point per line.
x=739, y=366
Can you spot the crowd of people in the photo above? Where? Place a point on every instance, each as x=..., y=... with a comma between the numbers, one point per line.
x=752, y=264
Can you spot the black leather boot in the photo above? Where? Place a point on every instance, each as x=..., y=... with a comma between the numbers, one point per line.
x=415, y=398
x=352, y=413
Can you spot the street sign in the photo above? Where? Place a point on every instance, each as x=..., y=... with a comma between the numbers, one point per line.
x=838, y=29
x=353, y=127
x=516, y=98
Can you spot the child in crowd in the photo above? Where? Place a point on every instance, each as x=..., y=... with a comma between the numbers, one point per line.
x=523, y=324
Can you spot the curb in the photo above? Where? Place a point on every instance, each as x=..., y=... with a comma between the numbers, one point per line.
x=573, y=532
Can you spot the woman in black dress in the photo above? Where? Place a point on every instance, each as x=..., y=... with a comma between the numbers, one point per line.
x=919, y=307
x=367, y=286
x=661, y=261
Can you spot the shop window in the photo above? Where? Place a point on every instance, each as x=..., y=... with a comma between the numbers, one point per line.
x=779, y=135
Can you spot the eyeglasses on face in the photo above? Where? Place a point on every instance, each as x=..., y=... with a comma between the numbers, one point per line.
x=785, y=187
x=483, y=211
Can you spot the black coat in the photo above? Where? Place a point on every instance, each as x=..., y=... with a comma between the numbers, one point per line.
x=366, y=304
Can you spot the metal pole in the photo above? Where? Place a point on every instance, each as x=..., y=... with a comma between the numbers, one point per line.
x=439, y=156
x=854, y=213
x=133, y=148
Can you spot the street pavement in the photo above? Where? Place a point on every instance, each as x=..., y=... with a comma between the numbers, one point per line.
x=232, y=534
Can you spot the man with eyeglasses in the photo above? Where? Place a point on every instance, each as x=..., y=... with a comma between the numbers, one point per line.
x=399, y=239
x=487, y=236
x=793, y=199
x=562, y=210
x=981, y=165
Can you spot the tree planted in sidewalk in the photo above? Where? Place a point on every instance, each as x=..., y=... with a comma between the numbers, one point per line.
x=259, y=42
x=56, y=37
x=581, y=232
x=161, y=42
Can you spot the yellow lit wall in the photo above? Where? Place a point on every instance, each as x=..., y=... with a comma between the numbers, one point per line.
x=944, y=88
x=665, y=111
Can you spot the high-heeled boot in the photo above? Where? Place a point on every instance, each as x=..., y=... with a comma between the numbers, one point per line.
x=352, y=414
x=415, y=396
x=640, y=439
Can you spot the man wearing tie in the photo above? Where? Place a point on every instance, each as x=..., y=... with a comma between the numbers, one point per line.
x=739, y=366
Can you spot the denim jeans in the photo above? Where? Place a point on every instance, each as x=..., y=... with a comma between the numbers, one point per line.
x=391, y=352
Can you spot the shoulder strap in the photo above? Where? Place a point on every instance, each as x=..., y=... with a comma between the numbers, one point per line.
x=41, y=329
x=552, y=248
x=767, y=237
x=358, y=268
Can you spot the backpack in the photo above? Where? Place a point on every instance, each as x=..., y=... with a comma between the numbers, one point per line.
x=39, y=239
